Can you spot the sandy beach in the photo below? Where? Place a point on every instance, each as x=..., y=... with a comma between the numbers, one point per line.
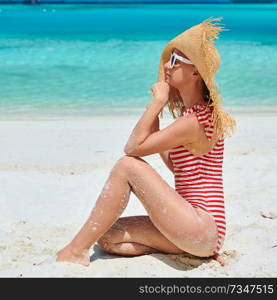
x=52, y=171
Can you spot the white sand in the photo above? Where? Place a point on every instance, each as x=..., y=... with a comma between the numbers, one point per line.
x=51, y=173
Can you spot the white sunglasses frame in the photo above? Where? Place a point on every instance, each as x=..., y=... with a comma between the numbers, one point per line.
x=176, y=56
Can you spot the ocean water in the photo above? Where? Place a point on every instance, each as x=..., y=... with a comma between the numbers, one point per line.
x=83, y=60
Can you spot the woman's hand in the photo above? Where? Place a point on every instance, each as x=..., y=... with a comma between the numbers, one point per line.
x=160, y=91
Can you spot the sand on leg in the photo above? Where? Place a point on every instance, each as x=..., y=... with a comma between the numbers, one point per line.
x=136, y=235
x=187, y=228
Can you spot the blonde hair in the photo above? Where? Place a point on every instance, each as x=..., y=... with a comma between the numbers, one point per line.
x=223, y=122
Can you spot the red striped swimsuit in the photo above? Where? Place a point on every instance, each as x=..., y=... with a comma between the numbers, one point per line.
x=199, y=179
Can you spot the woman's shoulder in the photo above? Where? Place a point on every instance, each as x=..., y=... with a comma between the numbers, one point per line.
x=203, y=145
x=202, y=114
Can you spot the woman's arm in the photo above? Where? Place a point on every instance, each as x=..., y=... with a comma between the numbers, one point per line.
x=148, y=123
x=164, y=154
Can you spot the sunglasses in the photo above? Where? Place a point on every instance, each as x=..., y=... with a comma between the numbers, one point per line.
x=175, y=56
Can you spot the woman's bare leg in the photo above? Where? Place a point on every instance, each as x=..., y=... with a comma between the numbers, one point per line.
x=109, y=206
x=136, y=235
x=188, y=229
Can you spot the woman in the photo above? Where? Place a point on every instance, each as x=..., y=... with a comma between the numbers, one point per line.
x=180, y=220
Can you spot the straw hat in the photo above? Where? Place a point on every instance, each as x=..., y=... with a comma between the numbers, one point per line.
x=197, y=43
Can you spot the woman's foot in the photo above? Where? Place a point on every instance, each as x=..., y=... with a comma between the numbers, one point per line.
x=68, y=255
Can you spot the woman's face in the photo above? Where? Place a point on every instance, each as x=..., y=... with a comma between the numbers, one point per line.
x=180, y=73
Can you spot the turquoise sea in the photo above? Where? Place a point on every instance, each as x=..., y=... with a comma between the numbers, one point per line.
x=83, y=60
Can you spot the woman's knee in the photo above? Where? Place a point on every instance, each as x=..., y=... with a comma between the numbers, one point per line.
x=127, y=160
x=122, y=162
x=121, y=165
x=129, y=165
